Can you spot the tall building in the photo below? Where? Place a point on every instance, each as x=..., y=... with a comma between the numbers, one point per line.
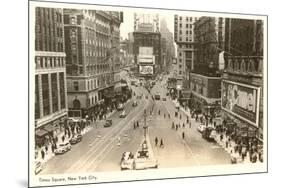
x=184, y=38
x=50, y=75
x=205, y=79
x=167, y=45
x=92, y=38
x=242, y=80
x=147, y=44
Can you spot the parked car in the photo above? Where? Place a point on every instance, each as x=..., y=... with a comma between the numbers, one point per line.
x=63, y=147
x=127, y=161
x=123, y=114
x=75, y=139
x=201, y=128
x=108, y=123
x=144, y=161
x=120, y=107
x=135, y=103
x=164, y=99
x=38, y=167
x=209, y=134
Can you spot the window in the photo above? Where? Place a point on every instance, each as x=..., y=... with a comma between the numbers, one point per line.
x=186, y=25
x=45, y=94
x=62, y=90
x=37, y=107
x=76, y=86
x=180, y=54
x=54, y=91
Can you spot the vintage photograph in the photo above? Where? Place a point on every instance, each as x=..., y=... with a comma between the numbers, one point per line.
x=127, y=93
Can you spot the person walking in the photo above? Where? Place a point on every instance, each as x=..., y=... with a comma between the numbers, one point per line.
x=177, y=127
x=42, y=154
x=183, y=135
x=159, y=112
x=161, y=143
x=156, y=141
x=137, y=124
x=180, y=116
x=183, y=125
x=169, y=116
x=164, y=115
x=173, y=125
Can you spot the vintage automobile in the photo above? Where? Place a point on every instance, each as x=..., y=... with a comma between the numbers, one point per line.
x=108, y=123
x=135, y=104
x=209, y=134
x=164, y=99
x=144, y=161
x=63, y=148
x=201, y=128
x=127, y=161
x=38, y=167
x=120, y=107
x=123, y=114
x=75, y=139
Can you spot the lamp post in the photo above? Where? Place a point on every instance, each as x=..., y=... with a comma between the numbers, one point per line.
x=145, y=127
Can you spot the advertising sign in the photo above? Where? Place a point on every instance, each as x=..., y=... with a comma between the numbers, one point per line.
x=145, y=50
x=146, y=70
x=241, y=100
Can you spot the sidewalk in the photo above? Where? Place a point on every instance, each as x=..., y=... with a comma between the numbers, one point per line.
x=49, y=154
x=231, y=145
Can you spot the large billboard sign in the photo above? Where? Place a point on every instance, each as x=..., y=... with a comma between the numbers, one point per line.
x=146, y=70
x=145, y=50
x=241, y=100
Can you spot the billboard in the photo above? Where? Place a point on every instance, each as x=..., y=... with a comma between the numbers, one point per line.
x=145, y=50
x=146, y=70
x=241, y=100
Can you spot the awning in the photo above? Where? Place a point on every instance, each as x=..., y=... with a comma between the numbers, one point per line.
x=40, y=132
x=50, y=128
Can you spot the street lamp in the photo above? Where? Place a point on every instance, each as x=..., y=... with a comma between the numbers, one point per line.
x=145, y=127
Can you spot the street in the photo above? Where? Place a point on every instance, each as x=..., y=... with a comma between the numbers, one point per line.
x=101, y=148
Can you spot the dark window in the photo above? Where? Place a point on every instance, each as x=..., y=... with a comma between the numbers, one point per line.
x=76, y=86
x=45, y=94
x=62, y=90
x=54, y=92
x=37, y=102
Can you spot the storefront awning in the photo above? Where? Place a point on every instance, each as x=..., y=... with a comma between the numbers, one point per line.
x=40, y=132
x=50, y=128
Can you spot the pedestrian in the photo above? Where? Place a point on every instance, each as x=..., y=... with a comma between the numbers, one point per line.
x=164, y=116
x=42, y=154
x=137, y=124
x=46, y=148
x=183, y=125
x=183, y=135
x=156, y=141
x=134, y=126
x=221, y=137
x=62, y=138
x=53, y=148
x=177, y=127
x=187, y=120
x=180, y=116
x=169, y=116
x=161, y=143
x=159, y=112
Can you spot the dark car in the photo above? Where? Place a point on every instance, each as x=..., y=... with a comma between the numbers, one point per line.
x=108, y=123
x=135, y=104
x=75, y=139
x=164, y=99
x=209, y=134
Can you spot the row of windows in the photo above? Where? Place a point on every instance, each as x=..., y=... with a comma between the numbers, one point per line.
x=187, y=32
x=186, y=25
x=94, y=83
x=185, y=46
x=187, y=39
x=49, y=62
x=48, y=98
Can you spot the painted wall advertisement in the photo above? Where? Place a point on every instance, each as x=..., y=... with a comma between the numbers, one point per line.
x=241, y=100
x=145, y=70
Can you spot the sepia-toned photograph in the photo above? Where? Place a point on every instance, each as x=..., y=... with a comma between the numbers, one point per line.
x=122, y=93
